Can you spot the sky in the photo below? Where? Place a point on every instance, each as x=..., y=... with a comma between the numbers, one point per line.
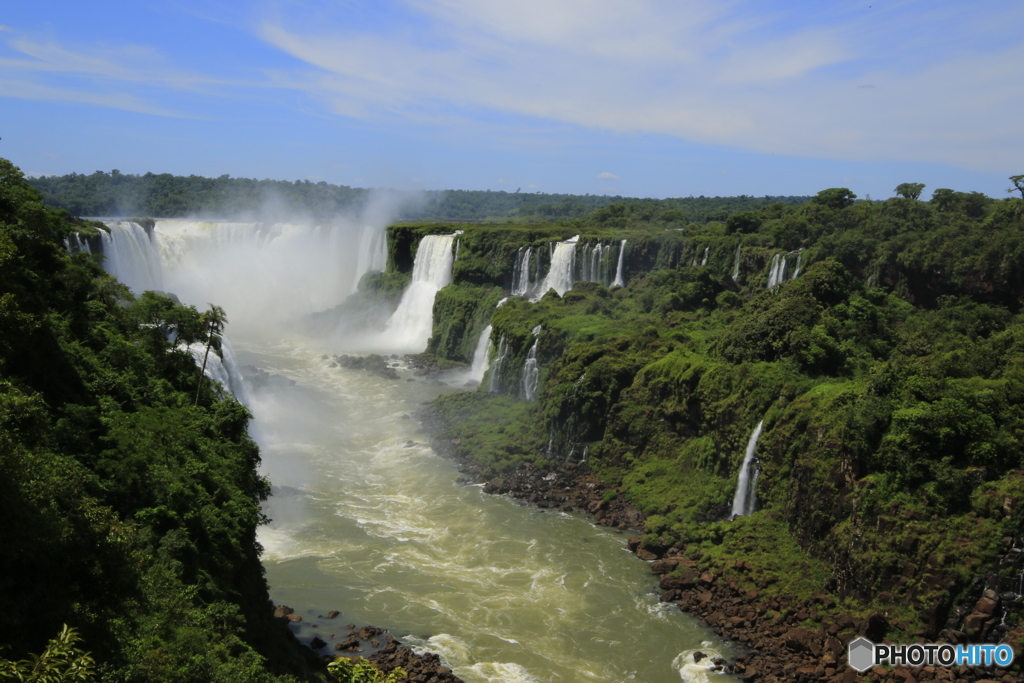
x=646, y=98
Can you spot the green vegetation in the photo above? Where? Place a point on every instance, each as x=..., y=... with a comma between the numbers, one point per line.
x=359, y=670
x=889, y=375
x=130, y=506
x=61, y=662
x=169, y=196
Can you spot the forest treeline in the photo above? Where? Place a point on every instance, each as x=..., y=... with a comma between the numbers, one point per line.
x=163, y=195
x=130, y=496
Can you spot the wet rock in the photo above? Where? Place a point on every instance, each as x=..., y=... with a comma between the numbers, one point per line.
x=316, y=643
x=333, y=614
x=282, y=611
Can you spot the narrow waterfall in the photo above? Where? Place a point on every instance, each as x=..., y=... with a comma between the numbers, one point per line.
x=776, y=271
x=704, y=261
x=736, y=263
x=779, y=264
x=132, y=256
x=522, y=282
x=618, y=269
x=592, y=265
x=499, y=362
x=531, y=373
x=563, y=267
x=745, y=500
x=222, y=368
x=483, y=347
x=411, y=324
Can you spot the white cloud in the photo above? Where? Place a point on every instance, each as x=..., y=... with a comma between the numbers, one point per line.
x=607, y=176
x=740, y=73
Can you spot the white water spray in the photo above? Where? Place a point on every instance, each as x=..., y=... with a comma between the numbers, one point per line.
x=736, y=264
x=744, y=501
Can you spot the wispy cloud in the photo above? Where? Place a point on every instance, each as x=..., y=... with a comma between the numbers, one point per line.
x=607, y=176
x=740, y=73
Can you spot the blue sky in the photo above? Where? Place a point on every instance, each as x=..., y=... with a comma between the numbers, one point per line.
x=641, y=98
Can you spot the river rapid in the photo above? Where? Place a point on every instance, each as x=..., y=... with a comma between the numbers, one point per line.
x=368, y=520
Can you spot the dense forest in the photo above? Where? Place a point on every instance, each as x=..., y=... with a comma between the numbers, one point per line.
x=130, y=496
x=879, y=344
x=168, y=196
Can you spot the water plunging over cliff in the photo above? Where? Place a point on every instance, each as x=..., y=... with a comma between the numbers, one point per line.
x=736, y=264
x=745, y=500
x=479, y=367
x=779, y=264
x=531, y=373
x=410, y=326
x=618, y=269
x=563, y=268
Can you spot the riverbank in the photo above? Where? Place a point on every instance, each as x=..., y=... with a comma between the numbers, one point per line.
x=786, y=637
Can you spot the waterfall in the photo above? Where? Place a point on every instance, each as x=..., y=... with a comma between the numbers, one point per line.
x=778, y=265
x=222, y=368
x=704, y=261
x=776, y=270
x=563, y=266
x=411, y=324
x=483, y=347
x=736, y=263
x=618, y=269
x=592, y=264
x=132, y=256
x=522, y=284
x=745, y=500
x=531, y=373
x=499, y=363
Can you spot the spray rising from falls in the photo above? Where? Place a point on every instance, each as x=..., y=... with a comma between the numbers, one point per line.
x=410, y=326
x=745, y=500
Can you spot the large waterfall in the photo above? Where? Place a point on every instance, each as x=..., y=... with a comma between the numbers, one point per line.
x=745, y=500
x=365, y=517
x=222, y=367
x=410, y=326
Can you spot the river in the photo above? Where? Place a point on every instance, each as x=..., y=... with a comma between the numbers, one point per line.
x=368, y=520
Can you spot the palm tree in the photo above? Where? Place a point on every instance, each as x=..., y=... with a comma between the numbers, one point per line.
x=214, y=319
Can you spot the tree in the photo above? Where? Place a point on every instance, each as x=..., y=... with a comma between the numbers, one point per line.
x=215, y=319
x=835, y=198
x=910, y=190
x=60, y=662
x=359, y=670
x=1018, y=183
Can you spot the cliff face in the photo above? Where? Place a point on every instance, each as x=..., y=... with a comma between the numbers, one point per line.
x=881, y=344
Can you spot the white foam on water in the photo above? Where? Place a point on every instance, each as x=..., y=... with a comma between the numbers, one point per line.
x=698, y=672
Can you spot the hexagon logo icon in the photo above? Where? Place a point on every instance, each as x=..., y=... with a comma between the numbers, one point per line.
x=861, y=654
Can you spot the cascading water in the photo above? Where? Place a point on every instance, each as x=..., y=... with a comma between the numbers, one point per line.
x=745, y=500
x=479, y=367
x=132, y=256
x=366, y=517
x=563, y=267
x=778, y=265
x=618, y=269
x=222, y=368
x=736, y=264
x=499, y=362
x=522, y=282
x=592, y=265
x=410, y=326
x=704, y=260
x=531, y=373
